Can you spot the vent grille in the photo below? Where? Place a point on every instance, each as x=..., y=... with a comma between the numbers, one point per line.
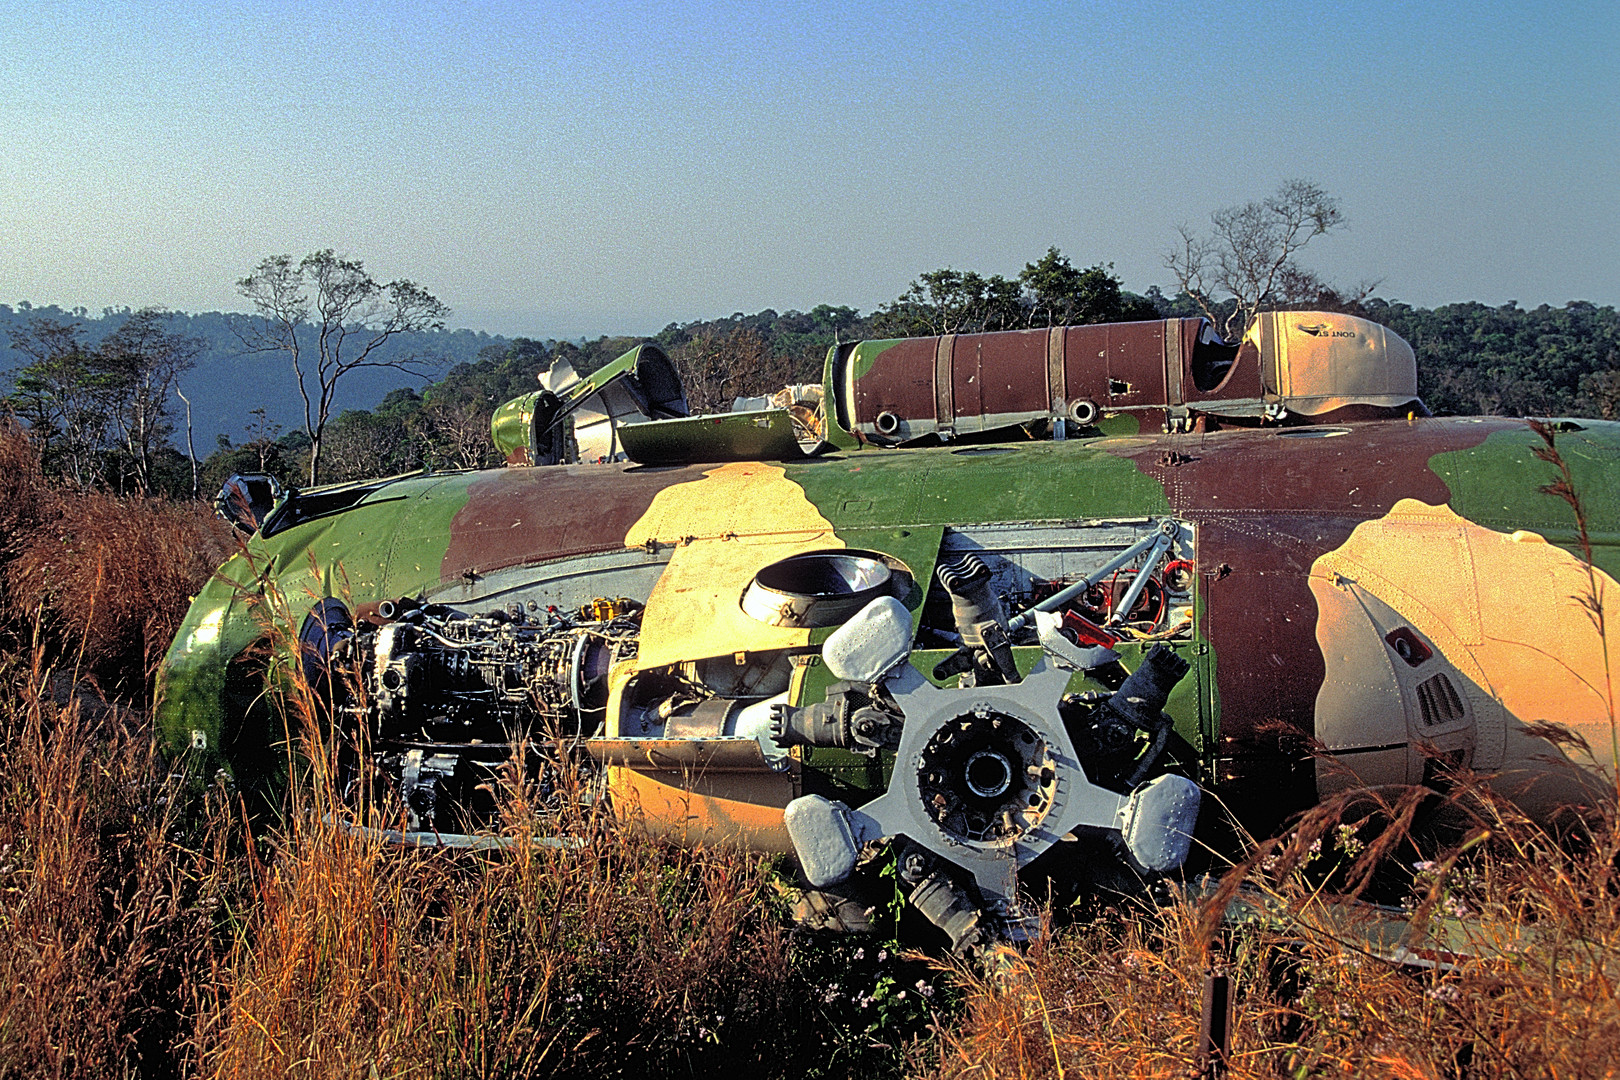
x=1440, y=702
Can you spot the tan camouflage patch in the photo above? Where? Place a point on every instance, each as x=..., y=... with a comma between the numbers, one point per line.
x=1512, y=637
x=725, y=528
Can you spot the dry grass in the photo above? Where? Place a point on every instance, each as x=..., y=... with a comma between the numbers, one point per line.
x=1525, y=926
x=1516, y=925
x=151, y=930
x=608, y=954
x=109, y=890
x=108, y=578
x=148, y=934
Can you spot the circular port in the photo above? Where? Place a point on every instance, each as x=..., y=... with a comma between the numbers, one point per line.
x=988, y=774
x=1083, y=411
x=818, y=588
x=985, y=777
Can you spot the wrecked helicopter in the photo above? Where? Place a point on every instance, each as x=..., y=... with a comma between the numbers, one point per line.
x=1017, y=602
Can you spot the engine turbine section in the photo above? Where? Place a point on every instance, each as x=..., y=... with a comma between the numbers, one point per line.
x=449, y=698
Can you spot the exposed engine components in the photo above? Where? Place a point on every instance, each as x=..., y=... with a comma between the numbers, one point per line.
x=449, y=698
x=980, y=621
x=440, y=675
x=987, y=779
x=1101, y=582
x=1105, y=730
x=817, y=588
x=1141, y=700
x=850, y=719
x=1153, y=548
x=940, y=898
x=974, y=780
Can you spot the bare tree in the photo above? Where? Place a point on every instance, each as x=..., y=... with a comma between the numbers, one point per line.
x=456, y=433
x=716, y=369
x=144, y=360
x=1250, y=252
x=329, y=317
x=262, y=432
x=191, y=448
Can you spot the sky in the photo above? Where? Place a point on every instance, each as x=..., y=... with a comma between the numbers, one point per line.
x=561, y=170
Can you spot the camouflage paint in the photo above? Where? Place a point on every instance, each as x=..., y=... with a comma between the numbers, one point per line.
x=725, y=528
x=406, y=538
x=364, y=554
x=1164, y=372
x=1269, y=504
x=978, y=485
x=1497, y=481
x=1503, y=611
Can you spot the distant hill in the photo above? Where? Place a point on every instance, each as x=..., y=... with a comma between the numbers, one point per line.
x=1472, y=358
x=226, y=383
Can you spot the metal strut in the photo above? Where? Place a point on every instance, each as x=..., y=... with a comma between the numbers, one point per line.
x=1158, y=543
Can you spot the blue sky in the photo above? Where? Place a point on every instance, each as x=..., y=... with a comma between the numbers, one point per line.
x=555, y=170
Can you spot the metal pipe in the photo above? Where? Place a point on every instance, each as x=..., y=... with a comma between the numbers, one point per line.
x=1063, y=596
x=1143, y=575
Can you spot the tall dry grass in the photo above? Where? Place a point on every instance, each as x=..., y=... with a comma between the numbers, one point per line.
x=584, y=948
x=114, y=880
x=1503, y=963
x=107, y=578
x=113, y=885
x=1503, y=960
x=151, y=930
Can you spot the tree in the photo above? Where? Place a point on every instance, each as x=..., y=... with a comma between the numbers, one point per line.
x=1056, y=294
x=262, y=432
x=328, y=316
x=101, y=415
x=62, y=397
x=952, y=302
x=1249, y=256
x=455, y=434
x=717, y=368
x=1047, y=292
x=143, y=360
x=363, y=444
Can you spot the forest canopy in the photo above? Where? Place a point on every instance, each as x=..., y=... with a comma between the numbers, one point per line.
x=1472, y=359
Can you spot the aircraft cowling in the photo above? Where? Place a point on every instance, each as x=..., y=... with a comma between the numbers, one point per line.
x=1159, y=375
